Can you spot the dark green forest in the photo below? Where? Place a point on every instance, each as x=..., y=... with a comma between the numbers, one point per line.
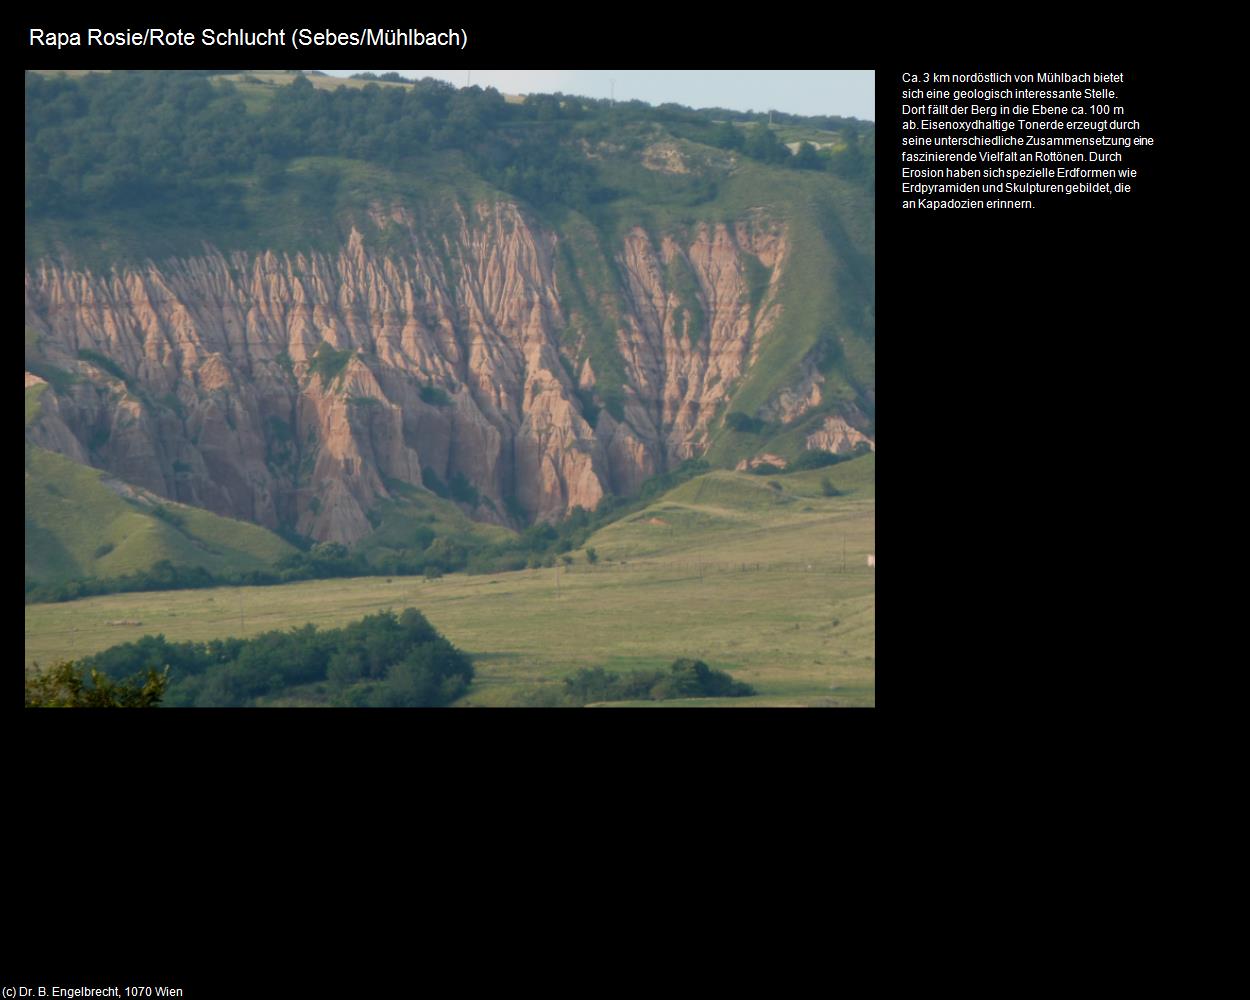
x=382, y=661
x=116, y=140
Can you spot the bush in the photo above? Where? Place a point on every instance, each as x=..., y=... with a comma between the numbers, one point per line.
x=446, y=555
x=814, y=460
x=383, y=659
x=820, y=459
x=345, y=669
x=58, y=378
x=104, y=363
x=422, y=537
x=432, y=482
x=513, y=506
x=462, y=491
x=434, y=396
x=67, y=686
x=168, y=514
x=685, y=678
x=329, y=363
x=744, y=423
x=693, y=678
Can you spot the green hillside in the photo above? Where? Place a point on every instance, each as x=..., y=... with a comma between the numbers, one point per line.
x=767, y=584
x=76, y=526
x=723, y=516
x=412, y=513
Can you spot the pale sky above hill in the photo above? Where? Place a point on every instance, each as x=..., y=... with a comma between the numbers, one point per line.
x=849, y=93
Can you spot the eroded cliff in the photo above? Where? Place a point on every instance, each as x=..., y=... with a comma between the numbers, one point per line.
x=298, y=390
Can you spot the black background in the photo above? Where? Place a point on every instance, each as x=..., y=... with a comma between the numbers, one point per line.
x=1008, y=339
x=1016, y=353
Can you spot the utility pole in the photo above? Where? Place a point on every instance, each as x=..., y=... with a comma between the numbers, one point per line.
x=612, y=84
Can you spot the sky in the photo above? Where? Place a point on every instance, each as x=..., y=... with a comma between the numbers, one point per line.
x=849, y=93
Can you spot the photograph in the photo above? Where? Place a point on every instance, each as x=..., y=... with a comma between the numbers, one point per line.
x=365, y=389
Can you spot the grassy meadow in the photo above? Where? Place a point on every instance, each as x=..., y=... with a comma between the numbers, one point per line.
x=744, y=575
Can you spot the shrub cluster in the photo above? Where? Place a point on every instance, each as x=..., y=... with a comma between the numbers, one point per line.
x=684, y=679
x=384, y=660
x=745, y=423
x=67, y=685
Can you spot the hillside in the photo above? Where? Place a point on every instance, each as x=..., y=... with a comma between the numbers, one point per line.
x=80, y=523
x=337, y=311
x=769, y=583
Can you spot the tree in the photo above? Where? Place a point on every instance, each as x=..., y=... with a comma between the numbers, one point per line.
x=65, y=686
x=849, y=162
x=592, y=556
x=270, y=172
x=422, y=538
x=806, y=158
x=828, y=489
x=728, y=137
x=744, y=423
x=345, y=668
x=764, y=145
x=330, y=550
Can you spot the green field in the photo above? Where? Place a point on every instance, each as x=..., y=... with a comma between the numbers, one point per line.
x=726, y=568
